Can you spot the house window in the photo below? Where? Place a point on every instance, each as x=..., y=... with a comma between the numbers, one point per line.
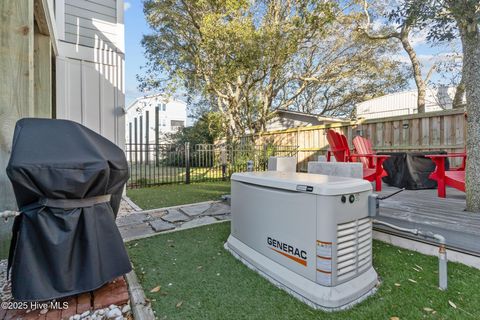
x=164, y=107
x=177, y=124
x=164, y=123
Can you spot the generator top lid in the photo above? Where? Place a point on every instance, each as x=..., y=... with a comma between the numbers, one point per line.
x=304, y=182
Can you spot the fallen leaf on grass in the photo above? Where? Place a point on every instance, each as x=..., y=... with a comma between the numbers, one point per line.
x=179, y=304
x=453, y=305
x=397, y=284
x=411, y=280
x=428, y=309
x=394, y=318
x=416, y=265
x=156, y=289
x=418, y=270
x=199, y=267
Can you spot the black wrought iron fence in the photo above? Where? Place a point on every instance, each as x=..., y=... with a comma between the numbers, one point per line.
x=156, y=164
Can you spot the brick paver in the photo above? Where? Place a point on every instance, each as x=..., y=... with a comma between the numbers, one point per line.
x=115, y=292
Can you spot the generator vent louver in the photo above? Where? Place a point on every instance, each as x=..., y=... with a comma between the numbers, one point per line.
x=354, y=248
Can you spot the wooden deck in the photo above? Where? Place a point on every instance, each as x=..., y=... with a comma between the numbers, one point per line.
x=422, y=209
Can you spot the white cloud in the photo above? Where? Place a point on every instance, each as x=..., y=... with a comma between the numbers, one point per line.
x=418, y=38
x=126, y=6
x=401, y=57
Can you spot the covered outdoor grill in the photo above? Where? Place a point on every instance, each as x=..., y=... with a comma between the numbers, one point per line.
x=410, y=170
x=68, y=182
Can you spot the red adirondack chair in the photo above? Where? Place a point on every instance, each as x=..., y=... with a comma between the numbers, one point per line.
x=372, y=170
x=453, y=178
x=338, y=147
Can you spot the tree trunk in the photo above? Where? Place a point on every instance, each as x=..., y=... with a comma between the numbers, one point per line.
x=417, y=71
x=459, y=93
x=471, y=61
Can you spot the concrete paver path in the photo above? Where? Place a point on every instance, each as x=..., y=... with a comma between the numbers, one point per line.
x=140, y=224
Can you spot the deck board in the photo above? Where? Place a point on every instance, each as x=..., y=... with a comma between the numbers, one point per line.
x=422, y=209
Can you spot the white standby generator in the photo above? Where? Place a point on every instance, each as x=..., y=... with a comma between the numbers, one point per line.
x=309, y=234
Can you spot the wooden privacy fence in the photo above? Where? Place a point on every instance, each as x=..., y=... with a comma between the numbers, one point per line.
x=443, y=130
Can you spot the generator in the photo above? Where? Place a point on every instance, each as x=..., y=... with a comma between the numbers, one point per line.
x=308, y=234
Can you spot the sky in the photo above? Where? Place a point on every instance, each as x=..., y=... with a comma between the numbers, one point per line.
x=136, y=26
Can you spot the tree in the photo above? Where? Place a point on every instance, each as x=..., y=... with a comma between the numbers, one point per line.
x=406, y=19
x=450, y=71
x=250, y=58
x=467, y=16
x=206, y=130
x=449, y=19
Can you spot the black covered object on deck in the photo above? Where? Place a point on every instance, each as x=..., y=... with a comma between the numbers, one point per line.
x=410, y=170
x=68, y=183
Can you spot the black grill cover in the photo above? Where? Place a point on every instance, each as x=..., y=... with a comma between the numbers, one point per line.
x=410, y=170
x=61, y=251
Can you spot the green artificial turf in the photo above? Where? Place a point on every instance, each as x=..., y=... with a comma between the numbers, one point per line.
x=199, y=279
x=178, y=194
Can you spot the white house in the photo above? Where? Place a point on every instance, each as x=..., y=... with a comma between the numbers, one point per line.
x=142, y=113
x=404, y=103
x=60, y=59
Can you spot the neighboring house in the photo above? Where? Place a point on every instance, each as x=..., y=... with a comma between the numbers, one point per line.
x=404, y=103
x=286, y=119
x=172, y=116
x=60, y=59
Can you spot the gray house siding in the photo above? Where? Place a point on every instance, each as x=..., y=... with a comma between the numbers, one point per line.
x=82, y=20
x=90, y=67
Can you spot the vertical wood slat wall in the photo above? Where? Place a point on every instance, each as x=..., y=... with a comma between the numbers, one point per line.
x=443, y=130
x=25, y=76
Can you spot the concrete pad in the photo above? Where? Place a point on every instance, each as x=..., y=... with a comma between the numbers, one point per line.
x=198, y=222
x=175, y=215
x=339, y=169
x=196, y=210
x=160, y=225
x=219, y=208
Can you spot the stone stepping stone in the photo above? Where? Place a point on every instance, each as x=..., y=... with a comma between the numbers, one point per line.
x=155, y=215
x=217, y=209
x=198, y=222
x=175, y=215
x=133, y=218
x=224, y=217
x=160, y=225
x=196, y=210
x=135, y=230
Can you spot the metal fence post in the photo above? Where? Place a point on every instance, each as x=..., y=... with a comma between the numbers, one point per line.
x=147, y=138
x=157, y=124
x=187, y=162
x=264, y=160
x=223, y=160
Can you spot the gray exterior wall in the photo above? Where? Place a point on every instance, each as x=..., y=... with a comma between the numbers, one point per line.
x=88, y=22
x=90, y=65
